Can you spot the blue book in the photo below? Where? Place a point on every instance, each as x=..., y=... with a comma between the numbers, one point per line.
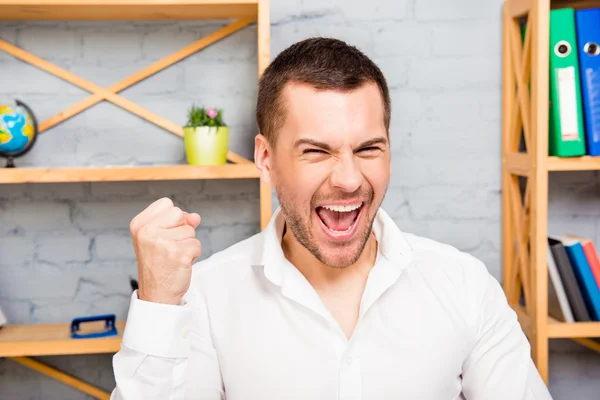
x=587, y=22
x=583, y=274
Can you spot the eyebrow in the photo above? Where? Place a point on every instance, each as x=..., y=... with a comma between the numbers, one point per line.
x=325, y=146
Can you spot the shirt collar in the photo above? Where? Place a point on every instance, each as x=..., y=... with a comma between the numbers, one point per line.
x=393, y=246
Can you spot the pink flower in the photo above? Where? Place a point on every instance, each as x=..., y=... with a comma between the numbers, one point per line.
x=211, y=113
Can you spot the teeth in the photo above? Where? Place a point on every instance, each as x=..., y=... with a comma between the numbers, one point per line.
x=347, y=208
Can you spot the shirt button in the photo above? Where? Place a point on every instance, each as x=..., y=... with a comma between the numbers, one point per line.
x=185, y=332
x=349, y=361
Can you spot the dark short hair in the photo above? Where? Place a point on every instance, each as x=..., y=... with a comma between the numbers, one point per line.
x=323, y=63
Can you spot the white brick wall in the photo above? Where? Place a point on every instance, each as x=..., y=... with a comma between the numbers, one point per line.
x=64, y=248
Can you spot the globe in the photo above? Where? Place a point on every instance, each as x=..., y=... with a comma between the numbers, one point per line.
x=18, y=131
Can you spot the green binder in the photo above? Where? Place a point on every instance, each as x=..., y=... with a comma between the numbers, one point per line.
x=566, y=133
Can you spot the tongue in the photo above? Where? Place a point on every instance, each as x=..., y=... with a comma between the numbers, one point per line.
x=337, y=221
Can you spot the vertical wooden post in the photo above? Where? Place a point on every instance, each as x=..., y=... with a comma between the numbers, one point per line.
x=508, y=94
x=263, y=23
x=539, y=183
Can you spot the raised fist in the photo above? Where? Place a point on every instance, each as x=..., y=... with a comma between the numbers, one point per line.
x=165, y=244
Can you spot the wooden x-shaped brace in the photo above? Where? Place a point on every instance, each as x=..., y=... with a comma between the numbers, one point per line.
x=110, y=93
x=520, y=122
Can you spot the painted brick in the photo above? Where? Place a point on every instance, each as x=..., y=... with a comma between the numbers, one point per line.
x=114, y=247
x=21, y=251
x=472, y=72
x=112, y=47
x=16, y=311
x=436, y=10
x=357, y=34
x=214, y=77
x=25, y=284
x=465, y=235
x=118, y=190
x=418, y=171
x=376, y=10
x=34, y=217
x=8, y=32
x=63, y=249
x=69, y=43
x=465, y=38
x=114, y=215
x=56, y=191
x=31, y=80
x=438, y=202
x=406, y=39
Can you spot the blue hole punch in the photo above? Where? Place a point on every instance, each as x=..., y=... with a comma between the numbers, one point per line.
x=110, y=328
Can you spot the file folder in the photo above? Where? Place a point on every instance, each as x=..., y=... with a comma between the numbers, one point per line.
x=587, y=23
x=566, y=133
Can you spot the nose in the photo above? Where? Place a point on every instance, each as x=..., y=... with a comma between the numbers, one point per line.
x=346, y=174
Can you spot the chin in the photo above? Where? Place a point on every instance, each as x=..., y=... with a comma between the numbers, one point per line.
x=340, y=258
x=342, y=248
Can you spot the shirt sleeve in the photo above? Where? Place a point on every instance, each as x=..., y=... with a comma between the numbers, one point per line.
x=167, y=353
x=500, y=365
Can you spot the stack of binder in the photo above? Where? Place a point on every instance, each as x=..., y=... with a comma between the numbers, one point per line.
x=574, y=123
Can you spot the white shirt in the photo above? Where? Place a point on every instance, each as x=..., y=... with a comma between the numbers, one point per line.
x=433, y=324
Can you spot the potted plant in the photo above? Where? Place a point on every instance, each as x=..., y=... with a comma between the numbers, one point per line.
x=206, y=137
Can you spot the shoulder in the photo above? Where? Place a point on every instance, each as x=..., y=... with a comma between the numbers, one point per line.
x=455, y=275
x=431, y=256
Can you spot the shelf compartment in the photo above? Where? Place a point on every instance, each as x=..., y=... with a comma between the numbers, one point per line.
x=521, y=163
x=584, y=163
x=559, y=329
x=53, y=339
x=127, y=9
x=128, y=173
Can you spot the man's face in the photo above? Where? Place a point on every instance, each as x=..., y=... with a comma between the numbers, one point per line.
x=331, y=168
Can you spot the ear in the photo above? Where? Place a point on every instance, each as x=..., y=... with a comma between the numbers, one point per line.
x=263, y=155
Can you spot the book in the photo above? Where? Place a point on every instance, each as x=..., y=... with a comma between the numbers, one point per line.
x=585, y=278
x=558, y=303
x=570, y=283
x=566, y=133
x=587, y=23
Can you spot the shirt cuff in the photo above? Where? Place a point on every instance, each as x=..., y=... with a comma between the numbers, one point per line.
x=157, y=329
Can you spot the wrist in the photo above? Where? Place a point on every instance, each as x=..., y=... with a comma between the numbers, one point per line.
x=158, y=298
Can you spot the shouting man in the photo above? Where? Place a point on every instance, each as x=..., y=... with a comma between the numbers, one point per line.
x=332, y=300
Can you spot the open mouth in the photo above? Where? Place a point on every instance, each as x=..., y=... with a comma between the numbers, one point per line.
x=339, y=220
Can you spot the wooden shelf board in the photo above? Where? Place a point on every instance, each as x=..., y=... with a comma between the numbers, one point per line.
x=127, y=9
x=559, y=329
x=577, y=4
x=521, y=163
x=584, y=163
x=127, y=173
x=52, y=339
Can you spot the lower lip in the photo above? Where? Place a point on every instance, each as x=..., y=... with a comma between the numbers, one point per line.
x=341, y=236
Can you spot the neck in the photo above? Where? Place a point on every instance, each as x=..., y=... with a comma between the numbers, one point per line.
x=322, y=276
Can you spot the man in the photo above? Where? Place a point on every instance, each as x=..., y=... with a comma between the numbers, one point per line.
x=331, y=300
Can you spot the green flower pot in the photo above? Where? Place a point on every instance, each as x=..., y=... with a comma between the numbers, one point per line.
x=206, y=145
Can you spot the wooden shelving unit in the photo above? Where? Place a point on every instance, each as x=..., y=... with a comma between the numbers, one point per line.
x=19, y=342
x=525, y=85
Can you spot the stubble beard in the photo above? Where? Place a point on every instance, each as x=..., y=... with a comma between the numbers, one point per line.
x=299, y=226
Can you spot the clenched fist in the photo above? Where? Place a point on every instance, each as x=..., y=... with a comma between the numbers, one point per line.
x=165, y=244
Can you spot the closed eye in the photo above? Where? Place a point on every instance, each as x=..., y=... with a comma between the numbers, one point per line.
x=317, y=151
x=371, y=148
